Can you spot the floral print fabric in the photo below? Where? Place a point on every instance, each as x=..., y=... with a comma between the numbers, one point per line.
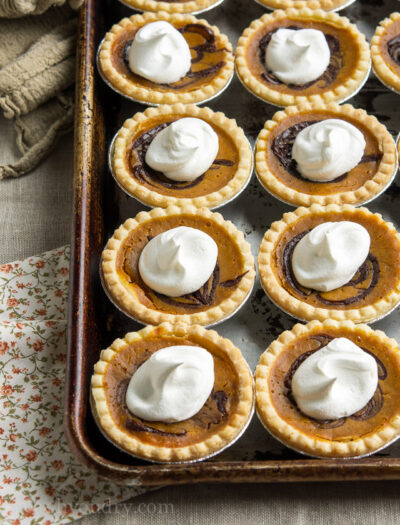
x=40, y=480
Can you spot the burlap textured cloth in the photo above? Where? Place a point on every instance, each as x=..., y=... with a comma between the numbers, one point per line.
x=37, y=65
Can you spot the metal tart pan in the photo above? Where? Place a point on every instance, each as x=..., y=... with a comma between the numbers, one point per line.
x=385, y=83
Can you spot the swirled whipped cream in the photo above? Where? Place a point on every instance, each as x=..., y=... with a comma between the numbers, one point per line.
x=330, y=254
x=328, y=149
x=179, y=261
x=297, y=56
x=172, y=385
x=336, y=381
x=159, y=53
x=184, y=150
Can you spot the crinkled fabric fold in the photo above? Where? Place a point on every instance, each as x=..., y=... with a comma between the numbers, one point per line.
x=18, y=8
x=36, y=79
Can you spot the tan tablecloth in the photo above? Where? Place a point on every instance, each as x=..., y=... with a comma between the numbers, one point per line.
x=35, y=216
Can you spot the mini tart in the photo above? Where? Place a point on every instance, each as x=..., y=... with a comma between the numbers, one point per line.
x=227, y=289
x=376, y=287
x=222, y=419
x=278, y=174
x=177, y=6
x=363, y=433
x=222, y=182
x=326, y=5
x=349, y=65
x=217, y=60
x=385, y=51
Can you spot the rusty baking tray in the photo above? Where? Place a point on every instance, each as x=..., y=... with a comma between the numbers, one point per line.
x=100, y=206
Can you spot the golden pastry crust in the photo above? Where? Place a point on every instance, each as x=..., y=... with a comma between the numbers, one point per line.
x=271, y=95
x=370, y=189
x=154, y=198
x=310, y=444
x=191, y=6
x=236, y=423
x=386, y=74
x=152, y=96
x=326, y=5
x=301, y=309
x=127, y=299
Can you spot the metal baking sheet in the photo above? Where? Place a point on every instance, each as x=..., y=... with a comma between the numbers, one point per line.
x=101, y=206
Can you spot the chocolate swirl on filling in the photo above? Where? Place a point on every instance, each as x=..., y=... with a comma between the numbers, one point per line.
x=326, y=79
x=393, y=47
x=209, y=45
x=204, y=296
x=370, y=410
x=135, y=424
x=145, y=174
x=282, y=146
x=369, y=270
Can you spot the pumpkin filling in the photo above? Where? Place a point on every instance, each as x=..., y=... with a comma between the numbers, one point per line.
x=280, y=162
x=389, y=44
x=375, y=278
x=375, y=415
x=219, y=175
x=212, y=417
x=344, y=57
x=208, y=58
x=226, y=276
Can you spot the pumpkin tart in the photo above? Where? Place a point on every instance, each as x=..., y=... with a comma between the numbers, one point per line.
x=210, y=73
x=347, y=71
x=278, y=174
x=220, y=297
x=385, y=52
x=372, y=293
x=370, y=429
x=220, y=421
x=225, y=179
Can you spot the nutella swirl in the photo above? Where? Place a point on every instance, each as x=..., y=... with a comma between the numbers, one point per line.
x=204, y=296
x=370, y=410
x=219, y=399
x=135, y=424
x=369, y=270
x=327, y=78
x=393, y=47
x=142, y=172
x=209, y=45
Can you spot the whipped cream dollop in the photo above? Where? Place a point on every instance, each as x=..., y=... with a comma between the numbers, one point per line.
x=330, y=254
x=184, y=150
x=172, y=385
x=179, y=261
x=335, y=381
x=297, y=56
x=159, y=53
x=328, y=149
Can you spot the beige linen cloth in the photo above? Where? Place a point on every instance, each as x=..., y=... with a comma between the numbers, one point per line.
x=37, y=71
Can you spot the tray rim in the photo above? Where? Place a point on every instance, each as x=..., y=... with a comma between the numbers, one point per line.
x=297, y=470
